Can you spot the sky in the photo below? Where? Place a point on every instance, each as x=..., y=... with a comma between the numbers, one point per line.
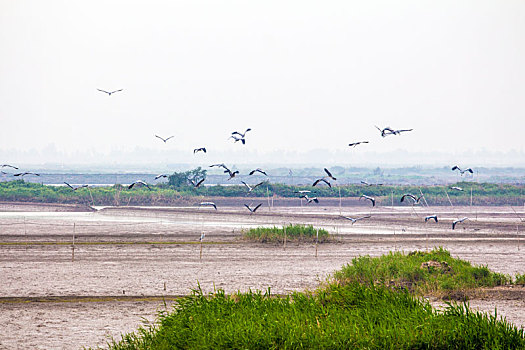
x=306, y=76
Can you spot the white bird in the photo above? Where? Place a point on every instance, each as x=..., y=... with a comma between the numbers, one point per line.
x=353, y=144
x=461, y=171
x=259, y=170
x=201, y=238
x=371, y=199
x=355, y=219
x=434, y=217
x=251, y=188
x=139, y=182
x=164, y=139
x=368, y=184
x=75, y=188
x=26, y=173
x=252, y=210
x=110, y=92
x=201, y=149
x=455, y=222
x=321, y=180
x=161, y=175
x=302, y=191
x=310, y=199
x=210, y=204
x=329, y=174
x=9, y=166
x=456, y=188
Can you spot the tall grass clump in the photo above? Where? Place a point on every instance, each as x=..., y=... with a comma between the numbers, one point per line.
x=351, y=316
x=520, y=279
x=435, y=272
x=296, y=233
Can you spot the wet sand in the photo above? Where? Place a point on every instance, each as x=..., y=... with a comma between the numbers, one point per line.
x=126, y=259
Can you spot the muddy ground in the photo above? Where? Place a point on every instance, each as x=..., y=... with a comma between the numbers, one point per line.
x=126, y=260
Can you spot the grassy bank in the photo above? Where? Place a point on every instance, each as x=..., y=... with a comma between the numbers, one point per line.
x=294, y=233
x=435, y=272
x=162, y=194
x=350, y=311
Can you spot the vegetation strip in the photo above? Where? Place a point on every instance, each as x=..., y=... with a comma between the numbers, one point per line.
x=116, y=243
x=84, y=299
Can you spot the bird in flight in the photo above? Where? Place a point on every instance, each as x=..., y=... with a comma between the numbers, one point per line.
x=242, y=135
x=329, y=174
x=414, y=198
x=356, y=219
x=386, y=131
x=110, y=92
x=456, y=188
x=259, y=170
x=322, y=180
x=371, y=199
x=462, y=171
x=202, y=149
x=226, y=170
x=139, y=182
x=251, y=188
x=310, y=199
x=455, y=222
x=238, y=136
x=208, y=204
x=9, y=166
x=75, y=188
x=353, y=144
x=252, y=210
x=195, y=183
x=201, y=238
x=161, y=175
x=398, y=132
x=434, y=217
x=164, y=139
x=26, y=173
x=369, y=184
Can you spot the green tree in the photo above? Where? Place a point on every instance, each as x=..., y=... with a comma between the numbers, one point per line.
x=182, y=179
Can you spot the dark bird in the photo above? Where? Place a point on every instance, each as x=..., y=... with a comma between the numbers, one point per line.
x=259, y=170
x=161, y=175
x=139, y=182
x=329, y=174
x=202, y=149
x=26, y=173
x=368, y=184
x=251, y=188
x=355, y=219
x=242, y=135
x=196, y=184
x=386, y=131
x=231, y=173
x=209, y=204
x=110, y=92
x=371, y=199
x=455, y=222
x=252, y=210
x=462, y=171
x=456, y=188
x=164, y=139
x=9, y=166
x=75, y=188
x=221, y=165
x=409, y=195
x=353, y=144
x=431, y=217
x=310, y=199
x=322, y=180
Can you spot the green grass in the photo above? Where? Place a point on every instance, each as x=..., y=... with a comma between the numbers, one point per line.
x=295, y=233
x=519, y=279
x=346, y=313
x=444, y=276
x=353, y=316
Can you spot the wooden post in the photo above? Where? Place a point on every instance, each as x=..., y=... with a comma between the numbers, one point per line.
x=284, y=243
x=200, y=254
x=164, y=286
x=268, y=196
x=25, y=226
x=73, y=248
x=518, y=234
x=339, y=188
x=316, y=241
x=422, y=196
x=392, y=200
x=448, y=198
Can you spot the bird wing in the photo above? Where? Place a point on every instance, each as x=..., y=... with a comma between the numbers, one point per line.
x=247, y=206
x=329, y=173
x=257, y=207
x=314, y=184
x=200, y=182
x=455, y=167
x=160, y=138
x=259, y=184
x=116, y=91
x=68, y=185
x=103, y=91
x=363, y=217
x=10, y=166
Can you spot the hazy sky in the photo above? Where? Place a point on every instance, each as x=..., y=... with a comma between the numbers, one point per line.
x=303, y=75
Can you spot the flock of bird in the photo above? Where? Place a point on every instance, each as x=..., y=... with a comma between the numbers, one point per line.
x=303, y=194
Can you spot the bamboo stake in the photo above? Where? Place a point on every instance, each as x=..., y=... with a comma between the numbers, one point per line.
x=284, y=243
x=422, y=196
x=268, y=196
x=316, y=241
x=25, y=226
x=73, y=248
x=339, y=188
x=518, y=234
